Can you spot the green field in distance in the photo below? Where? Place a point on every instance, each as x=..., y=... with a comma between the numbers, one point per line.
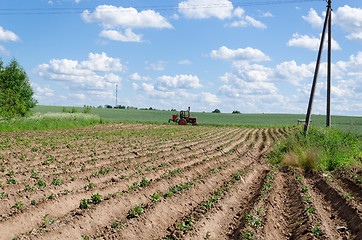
x=344, y=123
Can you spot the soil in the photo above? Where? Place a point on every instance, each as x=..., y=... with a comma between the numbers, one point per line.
x=211, y=183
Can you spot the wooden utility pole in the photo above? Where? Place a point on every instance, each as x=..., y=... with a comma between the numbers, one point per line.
x=327, y=21
x=328, y=120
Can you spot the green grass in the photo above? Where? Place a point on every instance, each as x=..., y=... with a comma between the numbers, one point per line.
x=344, y=123
x=322, y=149
x=51, y=120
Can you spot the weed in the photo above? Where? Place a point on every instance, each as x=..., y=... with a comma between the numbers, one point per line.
x=89, y=186
x=115, y=224
x=33, y=202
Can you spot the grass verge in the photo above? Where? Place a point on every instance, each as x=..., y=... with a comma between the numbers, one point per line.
x=41, y=121
x=324, y=149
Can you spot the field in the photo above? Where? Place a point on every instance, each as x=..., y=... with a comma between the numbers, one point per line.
x=344, y=123
x=141, y=181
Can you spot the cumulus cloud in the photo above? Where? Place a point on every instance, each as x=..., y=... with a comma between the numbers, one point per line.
x=247, y=21
x=248, y=54
x=110, y=16
x=350, y=20
x=83, y=74
x=313, y=18
x=157, y=66
x=115, y=35
x=166, y=83
x=6, y=35
x=137, y=77
x=311, y=43
x=200, y=9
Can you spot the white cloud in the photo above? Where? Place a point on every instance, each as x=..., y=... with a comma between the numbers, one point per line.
x=350, y=20
x=247, y=21
x=115, y=35
x=102, y=63
x=83, y=74
x=4, y=51
x=239, y=12
x=137, y=77
x=42, y=91
x=313, y=18
x=185, y=62
x=208, y=98
x=6, y=35
x=158, y=66
x=266, y=14
x=200, y=9
x=167, y=83
x=311, y=43
x=110, y=16
x=248, y=54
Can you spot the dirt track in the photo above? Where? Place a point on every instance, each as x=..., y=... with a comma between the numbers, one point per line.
x=212, y=183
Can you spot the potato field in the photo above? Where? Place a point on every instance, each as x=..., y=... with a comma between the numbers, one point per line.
x=140, y=181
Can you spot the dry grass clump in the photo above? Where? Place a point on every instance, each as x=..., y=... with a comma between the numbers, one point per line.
x=306, y=159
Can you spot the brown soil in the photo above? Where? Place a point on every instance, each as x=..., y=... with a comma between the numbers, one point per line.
x=212, y=183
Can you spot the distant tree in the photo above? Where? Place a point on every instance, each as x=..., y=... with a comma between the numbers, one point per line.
x=236, y=112
x=216, y=111
x=100, y=106
x=108, y=106
x=16, y=93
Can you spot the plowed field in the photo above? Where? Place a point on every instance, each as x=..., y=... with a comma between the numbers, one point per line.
x=137, y=181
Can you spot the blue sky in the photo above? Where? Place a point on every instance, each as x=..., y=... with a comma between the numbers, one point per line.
x=206, y=54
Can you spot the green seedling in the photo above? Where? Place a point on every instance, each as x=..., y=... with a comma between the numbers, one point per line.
x=144, y=182
x=41, y=183
x=247, y=235
x=137, y=211
x=18, y=205
x=11, y=181
x=305, y=189
x=57, y=182
x=316, y=230
x=307, y=198
x=310, y=210
x=96, y=198
x=155, y=197
x=84, y=204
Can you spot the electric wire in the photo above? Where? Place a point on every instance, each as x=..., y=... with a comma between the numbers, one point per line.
x=79, y=10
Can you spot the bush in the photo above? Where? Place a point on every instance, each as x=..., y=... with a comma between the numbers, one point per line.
x=322, y=149
x=216, y=111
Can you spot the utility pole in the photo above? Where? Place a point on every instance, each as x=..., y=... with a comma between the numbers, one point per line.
x=311, y=97
x=328, y=120
x=116, y=93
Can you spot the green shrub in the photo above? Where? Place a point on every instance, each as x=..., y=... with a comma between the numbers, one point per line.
x=323, y=149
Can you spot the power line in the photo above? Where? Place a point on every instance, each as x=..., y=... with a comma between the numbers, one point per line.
x=73, y=10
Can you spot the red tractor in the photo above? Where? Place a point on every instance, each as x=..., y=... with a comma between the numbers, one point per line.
x=184, y=118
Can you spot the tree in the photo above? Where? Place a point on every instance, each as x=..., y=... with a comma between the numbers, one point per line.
x=216, y=111
x=16, y=93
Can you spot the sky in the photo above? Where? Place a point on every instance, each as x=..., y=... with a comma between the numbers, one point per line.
x=245, y=55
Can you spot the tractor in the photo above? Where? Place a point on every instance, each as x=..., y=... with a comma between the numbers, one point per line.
x=184, y=118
